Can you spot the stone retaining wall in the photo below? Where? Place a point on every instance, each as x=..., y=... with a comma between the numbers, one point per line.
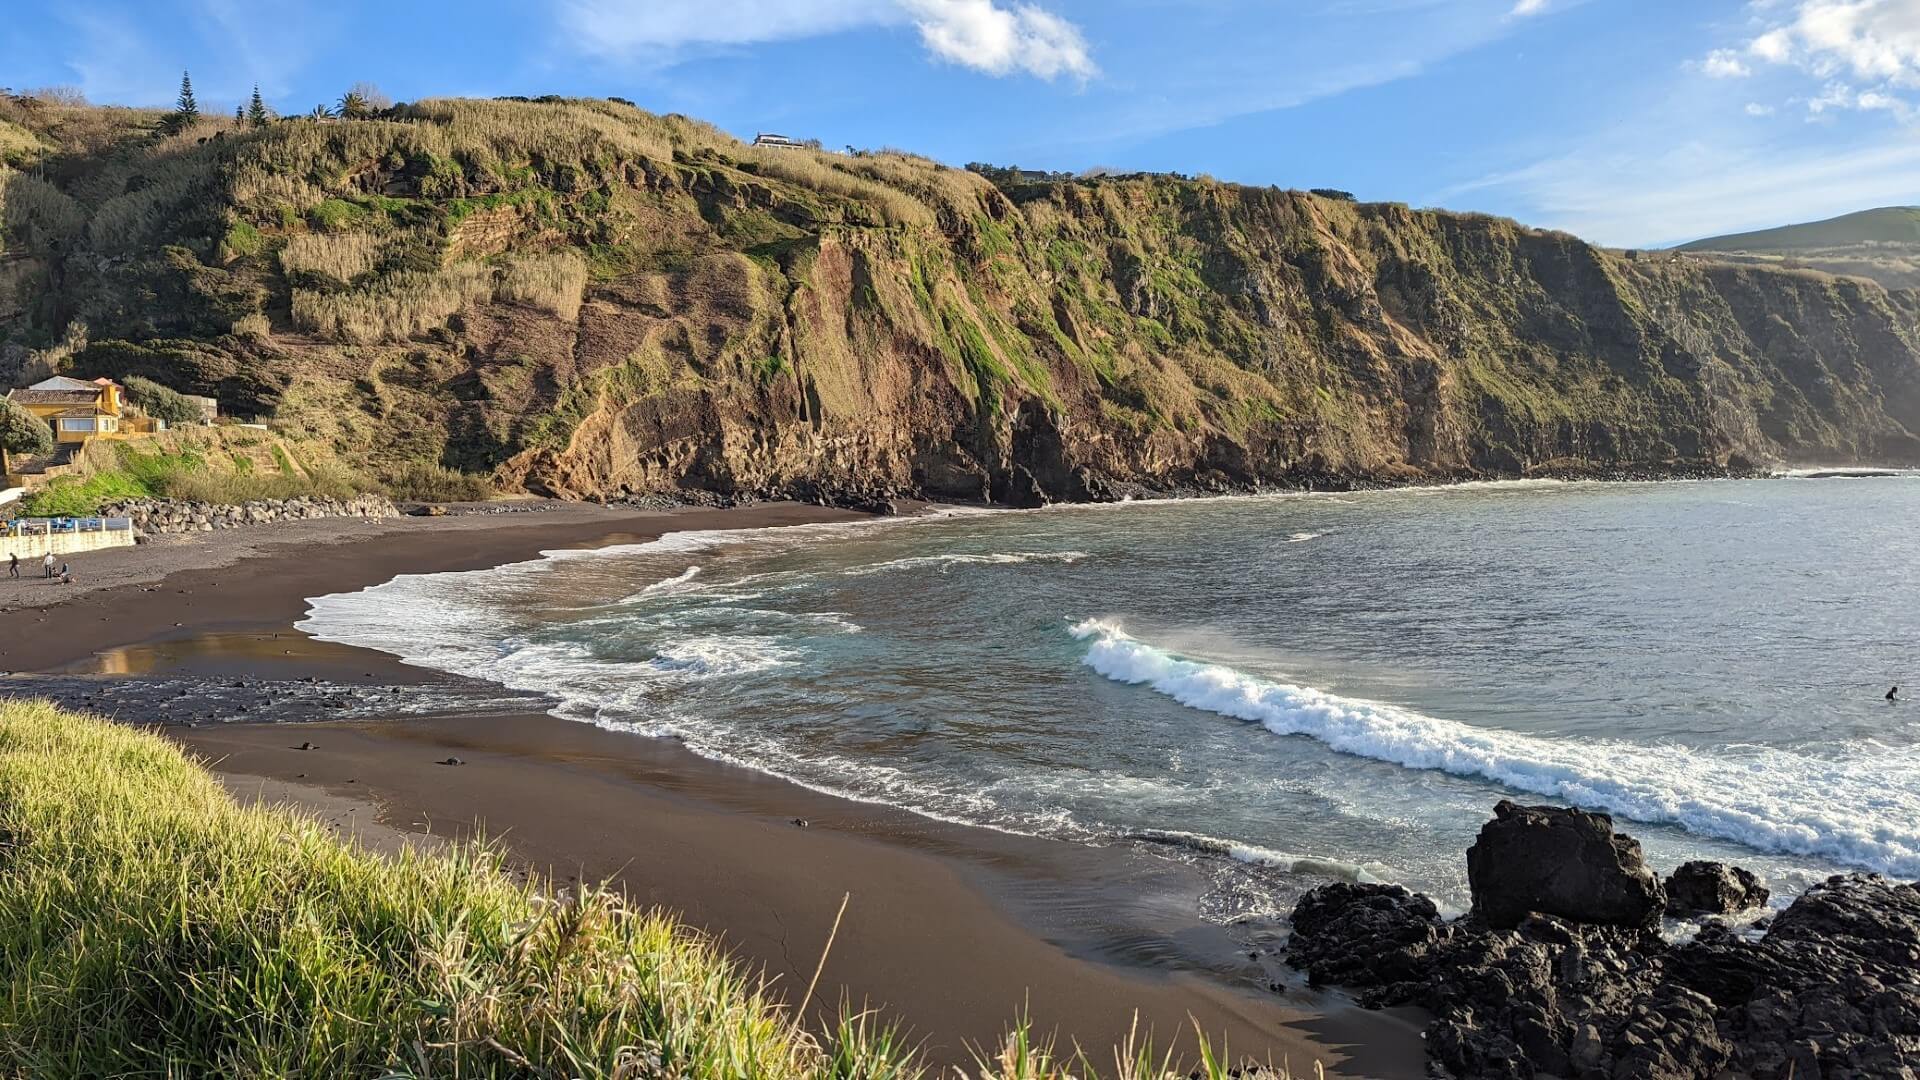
x=165, y=517
x=31, y=548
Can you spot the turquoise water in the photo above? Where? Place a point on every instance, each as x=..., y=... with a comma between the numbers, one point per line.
x=1286, y=688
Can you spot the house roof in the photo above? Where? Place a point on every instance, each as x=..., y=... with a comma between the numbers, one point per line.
x=87, y=410
x=55, y=397
x=61, y=382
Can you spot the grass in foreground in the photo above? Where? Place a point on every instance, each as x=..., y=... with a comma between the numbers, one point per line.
x=152, y=927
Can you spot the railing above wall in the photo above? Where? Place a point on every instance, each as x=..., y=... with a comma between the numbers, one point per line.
x=61, y=526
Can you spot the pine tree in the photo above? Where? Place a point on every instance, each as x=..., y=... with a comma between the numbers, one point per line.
x=239, y=114
x=257, y=109
x=187, y=109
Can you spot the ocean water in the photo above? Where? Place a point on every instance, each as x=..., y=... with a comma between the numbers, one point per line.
x=1284, y=689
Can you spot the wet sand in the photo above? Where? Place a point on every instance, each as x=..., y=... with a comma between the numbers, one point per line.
x=953, y=930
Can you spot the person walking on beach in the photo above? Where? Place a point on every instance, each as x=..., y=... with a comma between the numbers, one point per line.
x=46, y=564
x=13, y=564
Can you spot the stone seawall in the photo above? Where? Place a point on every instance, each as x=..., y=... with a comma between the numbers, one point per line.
x=167, y=517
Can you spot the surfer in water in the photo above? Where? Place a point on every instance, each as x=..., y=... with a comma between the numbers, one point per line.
x=1893, y=694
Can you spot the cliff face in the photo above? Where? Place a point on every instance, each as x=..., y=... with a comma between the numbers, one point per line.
x=586, y=300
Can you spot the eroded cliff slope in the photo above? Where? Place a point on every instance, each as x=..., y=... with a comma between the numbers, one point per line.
x=581, y=298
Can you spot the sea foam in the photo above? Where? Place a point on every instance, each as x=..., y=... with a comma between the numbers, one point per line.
x=1858, y=810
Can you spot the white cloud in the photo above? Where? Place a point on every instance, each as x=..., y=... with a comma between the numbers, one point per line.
x=1835, y=95
x=1774, y=46
x=981, y=34
x=1725, y=64
x=1528, y=7
x=1754, y=108
x=1869, y=40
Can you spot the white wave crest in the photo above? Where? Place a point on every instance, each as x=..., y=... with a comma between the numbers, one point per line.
x=944, y=562
x=1303, y=537
x=677, y=583
x=1857, y=810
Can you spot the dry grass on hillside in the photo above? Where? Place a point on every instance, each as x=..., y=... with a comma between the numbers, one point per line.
x=554, y=282
x=341, y=256
x=822, y=172
x=394, y=308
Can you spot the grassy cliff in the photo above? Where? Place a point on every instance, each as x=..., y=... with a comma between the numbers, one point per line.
x=579, y=297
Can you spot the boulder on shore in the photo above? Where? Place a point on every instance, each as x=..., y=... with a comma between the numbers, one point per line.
x=1554, y=861
x=1711, y=888
x=1831, y=990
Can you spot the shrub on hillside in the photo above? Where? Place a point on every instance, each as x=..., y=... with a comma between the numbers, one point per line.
x=160, y=402
x=36, y=215
x=423, y=481
x=21, y=432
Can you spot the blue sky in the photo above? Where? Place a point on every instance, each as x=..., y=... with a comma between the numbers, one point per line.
x=1630, y=122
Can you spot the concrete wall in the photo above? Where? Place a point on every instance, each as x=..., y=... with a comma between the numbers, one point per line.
x=33, y=547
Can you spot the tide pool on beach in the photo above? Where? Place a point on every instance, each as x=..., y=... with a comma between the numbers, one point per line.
x=1285, y=689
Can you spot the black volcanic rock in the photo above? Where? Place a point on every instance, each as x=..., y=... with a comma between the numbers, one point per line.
x=1711, y=888
x=1365, y=935
x=1560, y=862
x=1831, y=990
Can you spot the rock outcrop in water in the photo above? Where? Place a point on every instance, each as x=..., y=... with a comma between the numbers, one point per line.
x=1832, y=989
x=1711, y=888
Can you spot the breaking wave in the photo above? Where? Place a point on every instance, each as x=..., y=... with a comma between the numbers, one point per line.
x=1859, y=811
x=945, y=562
x=1368, y=873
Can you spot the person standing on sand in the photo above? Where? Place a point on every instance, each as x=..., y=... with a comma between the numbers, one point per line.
x=13, y=564
x=46, y=564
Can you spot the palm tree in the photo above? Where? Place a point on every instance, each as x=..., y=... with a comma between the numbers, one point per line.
x=320, y=112
x=353, y=106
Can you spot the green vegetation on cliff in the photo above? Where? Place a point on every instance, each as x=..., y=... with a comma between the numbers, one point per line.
x=579, y=297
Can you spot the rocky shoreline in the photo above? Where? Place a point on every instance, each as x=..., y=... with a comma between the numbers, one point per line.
x=1560, y=968
x=1087, y=486
x=169, y=517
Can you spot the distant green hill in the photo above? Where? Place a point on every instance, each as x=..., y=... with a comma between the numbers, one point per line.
x=1898, y=225
x=1882, y=245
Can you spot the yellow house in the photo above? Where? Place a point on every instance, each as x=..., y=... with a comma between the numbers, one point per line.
x=76, y=410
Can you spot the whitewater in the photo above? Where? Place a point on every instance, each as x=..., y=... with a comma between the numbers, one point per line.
x=1852, y=811
x=1297, y=688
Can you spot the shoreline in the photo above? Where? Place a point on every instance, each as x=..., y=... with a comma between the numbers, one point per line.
x=1022, y=921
